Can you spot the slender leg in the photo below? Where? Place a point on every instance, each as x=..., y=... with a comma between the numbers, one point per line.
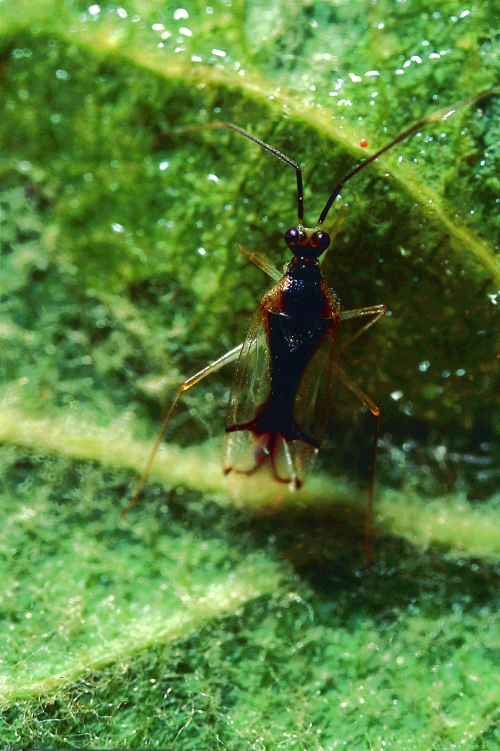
x=259, y=260
x=375, y=310
x=373, y=408
x=187, y=384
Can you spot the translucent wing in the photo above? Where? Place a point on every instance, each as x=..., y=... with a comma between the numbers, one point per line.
x=250, y=390
x=252, y=378
x=315, y=395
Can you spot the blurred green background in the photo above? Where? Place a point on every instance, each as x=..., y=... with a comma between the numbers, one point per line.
x=195, y=623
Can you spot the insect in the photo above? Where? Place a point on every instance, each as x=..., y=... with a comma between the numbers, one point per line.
x=283, y=390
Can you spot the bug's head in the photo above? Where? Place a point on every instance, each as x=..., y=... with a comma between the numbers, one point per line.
x=307, y=243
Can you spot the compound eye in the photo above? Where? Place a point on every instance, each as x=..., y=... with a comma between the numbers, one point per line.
x=321, y=239
x=292, y=237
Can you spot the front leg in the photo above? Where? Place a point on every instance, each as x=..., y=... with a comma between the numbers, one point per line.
x=374, y=310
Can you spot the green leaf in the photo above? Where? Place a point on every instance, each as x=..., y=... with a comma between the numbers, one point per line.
x=195, y=622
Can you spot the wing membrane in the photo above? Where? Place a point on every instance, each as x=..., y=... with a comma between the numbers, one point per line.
x=252, y=378
x=315, y=394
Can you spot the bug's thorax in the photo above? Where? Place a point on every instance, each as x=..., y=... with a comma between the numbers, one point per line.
x=302, y=293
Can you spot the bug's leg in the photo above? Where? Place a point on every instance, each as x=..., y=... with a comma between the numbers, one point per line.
x=373, y=408
x=377, y=311
x=259, y=260
x=187, y=384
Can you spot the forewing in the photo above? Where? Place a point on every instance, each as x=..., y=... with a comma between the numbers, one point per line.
x=315, y=394
x=252, y=378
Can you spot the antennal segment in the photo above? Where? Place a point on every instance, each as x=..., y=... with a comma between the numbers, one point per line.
x=438, y=115
x=266, y=146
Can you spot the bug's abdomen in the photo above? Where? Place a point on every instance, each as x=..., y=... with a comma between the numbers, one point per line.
x=291, y=349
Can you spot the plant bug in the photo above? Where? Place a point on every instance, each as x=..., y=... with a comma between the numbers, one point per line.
x=283, y=390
